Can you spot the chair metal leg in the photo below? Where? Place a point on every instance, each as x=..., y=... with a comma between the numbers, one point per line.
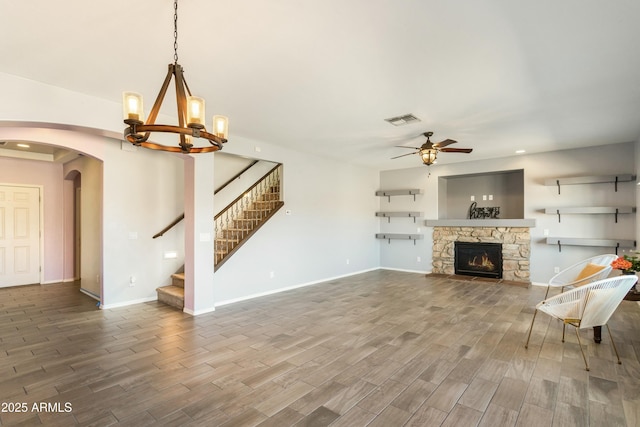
x=564, y=325
x=526, y=345
x=581, y=351
x=613, y=344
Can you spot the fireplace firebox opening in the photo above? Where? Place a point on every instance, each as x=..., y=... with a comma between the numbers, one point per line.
x=478, y=259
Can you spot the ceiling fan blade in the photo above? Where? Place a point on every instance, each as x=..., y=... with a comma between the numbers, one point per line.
x=404, y=146
x=408, y=154
x=445, y=143
x=456, y=150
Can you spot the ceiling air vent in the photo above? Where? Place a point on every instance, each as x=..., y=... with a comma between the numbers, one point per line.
x=403, y=120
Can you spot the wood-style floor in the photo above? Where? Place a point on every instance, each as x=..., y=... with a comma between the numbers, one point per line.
x=383, y=348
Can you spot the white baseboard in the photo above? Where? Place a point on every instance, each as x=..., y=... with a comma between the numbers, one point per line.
x=539, y=284
x=126, y=303
x=199, y=312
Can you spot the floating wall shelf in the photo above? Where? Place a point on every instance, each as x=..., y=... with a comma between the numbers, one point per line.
x=591, y=210
x=407, y=192
x=615, y=179
x=603, y=243
x=388, y=215
x=389, y=236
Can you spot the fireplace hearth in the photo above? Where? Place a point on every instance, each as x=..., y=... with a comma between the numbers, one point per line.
x=478, y=259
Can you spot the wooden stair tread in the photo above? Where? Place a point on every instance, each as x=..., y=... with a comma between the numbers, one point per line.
x=171, y=295
x=172, y=290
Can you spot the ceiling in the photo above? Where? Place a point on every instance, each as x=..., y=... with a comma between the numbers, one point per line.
x=321, y=76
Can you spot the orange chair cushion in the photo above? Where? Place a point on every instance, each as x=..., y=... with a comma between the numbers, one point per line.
x=589, y=270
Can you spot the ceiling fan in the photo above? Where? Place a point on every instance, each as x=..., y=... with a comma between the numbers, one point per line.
x=429, y=150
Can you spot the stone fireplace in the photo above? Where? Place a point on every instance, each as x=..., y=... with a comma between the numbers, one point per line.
x=515, y=241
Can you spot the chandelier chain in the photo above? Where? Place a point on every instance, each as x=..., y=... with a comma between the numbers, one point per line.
x=175, y=31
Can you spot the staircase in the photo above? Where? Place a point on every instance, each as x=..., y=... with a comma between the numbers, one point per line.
x=173, y=294
x=234, y=225
x=233, y=230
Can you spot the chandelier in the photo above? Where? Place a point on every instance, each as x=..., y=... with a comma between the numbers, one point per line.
x=191, y=113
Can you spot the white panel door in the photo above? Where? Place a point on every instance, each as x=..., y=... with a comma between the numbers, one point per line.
x=19, y=235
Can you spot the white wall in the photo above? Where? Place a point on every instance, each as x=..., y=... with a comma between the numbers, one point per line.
x=332, y=219
x=602, y=160
x=332, y=203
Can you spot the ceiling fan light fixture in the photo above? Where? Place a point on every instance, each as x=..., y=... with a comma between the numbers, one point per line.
x=428, y=156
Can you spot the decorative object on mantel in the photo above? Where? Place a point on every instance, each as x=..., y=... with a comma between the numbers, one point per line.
x=487, y=212
x=191, y=112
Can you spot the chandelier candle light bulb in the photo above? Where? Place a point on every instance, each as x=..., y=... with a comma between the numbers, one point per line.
x=220, y=126
x=132, y=107
x=195, y=112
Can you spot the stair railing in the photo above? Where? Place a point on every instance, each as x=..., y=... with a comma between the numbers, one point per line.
x=181, y=217
x=239, y=219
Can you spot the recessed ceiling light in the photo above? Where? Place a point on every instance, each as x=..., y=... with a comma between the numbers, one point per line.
x=22, y=145
x=520, y=151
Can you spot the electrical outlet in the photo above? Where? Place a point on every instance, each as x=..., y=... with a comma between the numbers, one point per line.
x=546, y=232
x=418, y=259
x=484, y=197
x=490, y=196
x=272, y=274
x=132, y=281
x=473, y=198
x=556, y=270
x=347, y=261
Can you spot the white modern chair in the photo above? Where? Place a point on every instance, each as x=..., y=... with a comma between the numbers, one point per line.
x=587, y=306
x=583, y=272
